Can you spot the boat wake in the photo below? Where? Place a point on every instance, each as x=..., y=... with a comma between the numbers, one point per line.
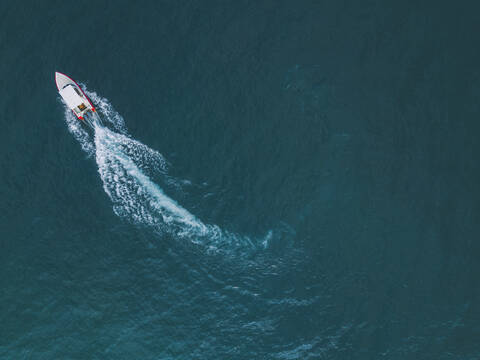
x=126, y=168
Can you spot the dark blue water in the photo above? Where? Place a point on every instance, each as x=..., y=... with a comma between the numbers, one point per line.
x=274, y=180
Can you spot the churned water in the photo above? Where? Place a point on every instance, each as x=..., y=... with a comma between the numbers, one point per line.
x=263, y=180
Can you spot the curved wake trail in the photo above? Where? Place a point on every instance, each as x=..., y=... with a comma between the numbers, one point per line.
x=133, y=193
x=125, y=166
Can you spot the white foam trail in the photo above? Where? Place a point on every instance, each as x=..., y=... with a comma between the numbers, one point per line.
x=134, y=194
x=109, y=114
x=126, y=167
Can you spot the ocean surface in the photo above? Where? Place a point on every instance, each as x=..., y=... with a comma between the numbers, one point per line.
x=266, y=180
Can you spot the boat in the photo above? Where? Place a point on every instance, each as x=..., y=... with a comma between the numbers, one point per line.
x=73, y=95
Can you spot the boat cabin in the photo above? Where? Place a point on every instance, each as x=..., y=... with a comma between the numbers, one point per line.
x=75, y=99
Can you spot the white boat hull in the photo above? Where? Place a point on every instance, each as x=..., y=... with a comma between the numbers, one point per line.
x=73, y=95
